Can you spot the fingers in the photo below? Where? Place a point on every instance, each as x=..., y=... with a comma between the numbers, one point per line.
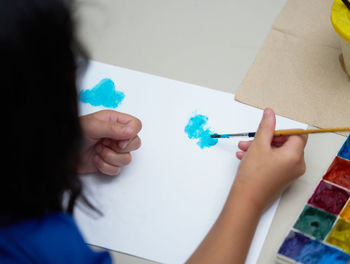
x=240, y=154
x=122, y=119
x=109, y=161
x=106, y=168
x=123, y=146
x=112, y=155
x=111, y=124
x=110, y=136
x=266, y=129
x=117, y=131
x=292, y=151
x=126, y=128
x=296, y=143
x=278, y=141
x=244, y=145
x=113, y=158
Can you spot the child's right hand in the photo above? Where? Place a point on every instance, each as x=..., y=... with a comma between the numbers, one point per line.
x=269, y=164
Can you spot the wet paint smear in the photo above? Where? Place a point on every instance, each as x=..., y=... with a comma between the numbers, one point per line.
x=305, y=250
x=196, y=128
x=102, y=94
x=339, y=172
x=340, y=235
x=329, y=198
x=346, y=212
x=345, y=150
x=315, y=222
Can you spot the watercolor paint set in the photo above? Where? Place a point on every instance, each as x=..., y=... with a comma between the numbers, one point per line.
x=321, y=234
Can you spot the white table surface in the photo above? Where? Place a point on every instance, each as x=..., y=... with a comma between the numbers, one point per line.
x=209, y=43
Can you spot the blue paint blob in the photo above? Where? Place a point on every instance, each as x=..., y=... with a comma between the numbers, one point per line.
x=345, y=150
x=196, y=129
x=102, y=94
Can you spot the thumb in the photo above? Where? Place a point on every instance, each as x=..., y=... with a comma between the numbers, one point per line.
x=113, y=130
x=266, y=128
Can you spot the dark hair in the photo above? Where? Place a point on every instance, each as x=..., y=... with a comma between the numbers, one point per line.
x=38, y=81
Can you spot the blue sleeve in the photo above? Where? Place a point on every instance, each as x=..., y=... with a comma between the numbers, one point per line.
x=52, y=239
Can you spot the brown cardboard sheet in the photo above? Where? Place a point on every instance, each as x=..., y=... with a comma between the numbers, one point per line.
x=298, y=71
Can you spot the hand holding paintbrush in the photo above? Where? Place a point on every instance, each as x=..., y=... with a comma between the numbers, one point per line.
x=264, y=172
x=287, y=132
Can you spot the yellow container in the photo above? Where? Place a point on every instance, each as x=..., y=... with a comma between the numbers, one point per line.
x=340, y=17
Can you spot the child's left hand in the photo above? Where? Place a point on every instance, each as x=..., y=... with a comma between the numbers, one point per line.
x=109, y=137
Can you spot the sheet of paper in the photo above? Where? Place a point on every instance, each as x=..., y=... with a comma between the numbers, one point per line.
x=163, y=204
x=300, y=65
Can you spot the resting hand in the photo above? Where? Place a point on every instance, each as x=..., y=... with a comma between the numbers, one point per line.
x=269, y=163
x=110, y=136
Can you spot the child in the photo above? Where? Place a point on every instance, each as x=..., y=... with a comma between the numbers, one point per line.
x=49, y=144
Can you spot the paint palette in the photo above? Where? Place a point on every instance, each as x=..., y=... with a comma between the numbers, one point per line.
x=321, y=234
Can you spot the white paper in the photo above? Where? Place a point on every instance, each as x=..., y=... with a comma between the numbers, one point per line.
x=163, y=204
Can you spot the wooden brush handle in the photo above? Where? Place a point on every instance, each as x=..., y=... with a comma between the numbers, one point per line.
x=290, y=132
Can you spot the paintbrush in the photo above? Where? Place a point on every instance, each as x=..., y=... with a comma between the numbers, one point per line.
x=287, y=132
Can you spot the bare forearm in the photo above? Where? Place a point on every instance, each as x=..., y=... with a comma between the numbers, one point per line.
x=229, y=239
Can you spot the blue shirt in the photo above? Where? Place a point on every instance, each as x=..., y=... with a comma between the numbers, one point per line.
x=54, y=238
